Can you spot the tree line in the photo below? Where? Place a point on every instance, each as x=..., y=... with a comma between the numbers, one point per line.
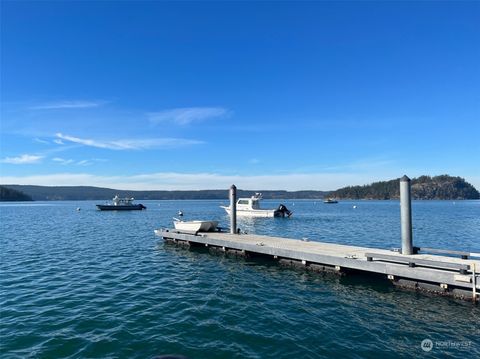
x=424, y=187
x=9, y=194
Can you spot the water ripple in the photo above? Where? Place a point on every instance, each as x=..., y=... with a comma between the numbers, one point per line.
x=100, y=285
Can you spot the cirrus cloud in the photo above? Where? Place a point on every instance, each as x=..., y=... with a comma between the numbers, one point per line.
x=186, y=115
x=22, y=159
x=60, y=105
x=130, y=144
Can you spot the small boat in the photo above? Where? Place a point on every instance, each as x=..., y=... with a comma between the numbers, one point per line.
x=330, y=200
x=121, y=204
x=195, y=226
x=250, y=207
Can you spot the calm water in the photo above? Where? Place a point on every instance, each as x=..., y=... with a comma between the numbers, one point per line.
x=101, y=285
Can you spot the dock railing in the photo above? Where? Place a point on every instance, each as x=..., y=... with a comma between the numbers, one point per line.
x=414, y=262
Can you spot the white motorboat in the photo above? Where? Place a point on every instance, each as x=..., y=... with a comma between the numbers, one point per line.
x=250, y=207
x=195, y=226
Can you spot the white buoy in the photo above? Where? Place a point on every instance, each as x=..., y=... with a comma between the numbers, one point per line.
x=180, y=213
x=354, y=207
x=78, y=208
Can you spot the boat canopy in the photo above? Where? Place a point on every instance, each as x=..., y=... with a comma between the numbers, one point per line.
x=117, y=201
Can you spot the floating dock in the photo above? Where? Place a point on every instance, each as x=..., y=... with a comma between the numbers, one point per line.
x=445, y=272
x=441, y=274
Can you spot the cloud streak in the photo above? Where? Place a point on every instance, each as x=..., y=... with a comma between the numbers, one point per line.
x=198, y=181
x=39, y=140
x=87, y=162
x=131, y=144
x=60, y=105
x=186, y=115
x=22, y=159
x=62, y=161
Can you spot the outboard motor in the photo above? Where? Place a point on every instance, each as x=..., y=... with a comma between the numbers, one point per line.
x=283, y=211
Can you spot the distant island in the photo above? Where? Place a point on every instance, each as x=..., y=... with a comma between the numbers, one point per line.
x=9, y=194
x=74, y=193
x=424, y=187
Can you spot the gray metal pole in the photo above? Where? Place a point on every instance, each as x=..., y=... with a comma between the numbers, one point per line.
x=233, y=209
x=406, y=215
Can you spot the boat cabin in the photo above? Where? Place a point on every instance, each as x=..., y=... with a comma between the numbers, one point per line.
x=250, y=207
x=117, y=201
x=249, y=203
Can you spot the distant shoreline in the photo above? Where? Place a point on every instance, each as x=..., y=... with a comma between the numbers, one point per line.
x=443, y=187
x=320, y=200
x=75, y=193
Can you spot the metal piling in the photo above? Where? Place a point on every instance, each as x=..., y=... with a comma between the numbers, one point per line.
x=406, y=215
x=233, y=209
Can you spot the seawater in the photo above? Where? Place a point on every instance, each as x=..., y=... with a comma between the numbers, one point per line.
x=91, y=284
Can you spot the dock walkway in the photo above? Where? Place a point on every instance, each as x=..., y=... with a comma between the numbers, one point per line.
x=438, y=273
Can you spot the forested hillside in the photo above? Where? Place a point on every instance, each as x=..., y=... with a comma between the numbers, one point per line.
x=9, y=194
x=423, y=187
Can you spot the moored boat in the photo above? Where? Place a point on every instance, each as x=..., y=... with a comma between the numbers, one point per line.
x=250, y=207
x=195, y=226
x=330, y=201
x=121, y=204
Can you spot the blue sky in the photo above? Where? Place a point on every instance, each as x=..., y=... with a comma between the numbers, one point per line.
x=267, y=95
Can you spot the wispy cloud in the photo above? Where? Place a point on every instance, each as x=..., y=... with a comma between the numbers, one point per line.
x=59, y=105
x=22, y=159
x=254, y=161
x=186, y=115
x=62, y=161
x=39, y=140
x=86, y=162
x=131, y=144
x=198, y=181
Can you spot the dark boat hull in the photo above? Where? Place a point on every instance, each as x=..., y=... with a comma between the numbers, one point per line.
x=107, y=207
